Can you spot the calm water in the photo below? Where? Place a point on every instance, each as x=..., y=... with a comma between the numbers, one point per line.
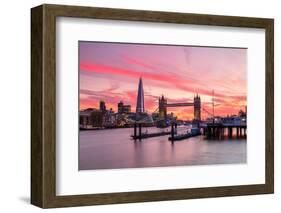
x=113, y=148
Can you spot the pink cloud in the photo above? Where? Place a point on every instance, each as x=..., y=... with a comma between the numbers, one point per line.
x=104, y=69
x=134, y=61
x=173, y=80
x=230, y=101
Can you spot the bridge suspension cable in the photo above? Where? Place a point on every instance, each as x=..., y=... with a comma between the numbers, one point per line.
x=207, y=111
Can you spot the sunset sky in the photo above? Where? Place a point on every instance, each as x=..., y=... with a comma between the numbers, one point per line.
x=111, y=71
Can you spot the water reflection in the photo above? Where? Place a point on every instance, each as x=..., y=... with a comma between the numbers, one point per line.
x=109, y=149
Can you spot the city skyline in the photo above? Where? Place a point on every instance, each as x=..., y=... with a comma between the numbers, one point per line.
x=111, y=71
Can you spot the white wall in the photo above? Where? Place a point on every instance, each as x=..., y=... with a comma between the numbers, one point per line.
x=15, y=106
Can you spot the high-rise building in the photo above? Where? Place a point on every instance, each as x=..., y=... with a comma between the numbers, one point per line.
x=120, y=107
x=102, y=106
x=140, y=98
x=123, y=108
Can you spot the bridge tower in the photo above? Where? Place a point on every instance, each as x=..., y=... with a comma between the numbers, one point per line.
x=197, y=108
x=162, y=107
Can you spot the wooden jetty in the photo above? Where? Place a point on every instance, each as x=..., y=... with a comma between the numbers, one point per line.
x=211, y=131
x=150, y=135
x=139, y=135
x=219, y=130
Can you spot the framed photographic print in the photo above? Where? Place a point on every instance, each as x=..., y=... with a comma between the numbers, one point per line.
x=136, y=106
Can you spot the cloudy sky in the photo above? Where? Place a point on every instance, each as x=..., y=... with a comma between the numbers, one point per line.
x=111, y=71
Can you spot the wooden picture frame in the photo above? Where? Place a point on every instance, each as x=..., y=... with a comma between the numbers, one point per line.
x=43, y=105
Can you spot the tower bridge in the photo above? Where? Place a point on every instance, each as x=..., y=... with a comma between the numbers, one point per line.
x=163, y=105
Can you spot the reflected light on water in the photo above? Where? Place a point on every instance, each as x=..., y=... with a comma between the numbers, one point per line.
x=113, y=148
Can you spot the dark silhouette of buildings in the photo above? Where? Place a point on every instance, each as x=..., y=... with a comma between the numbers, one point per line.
x=103, y=118
x=97, y=118
x=102, y=106
x=123, y=108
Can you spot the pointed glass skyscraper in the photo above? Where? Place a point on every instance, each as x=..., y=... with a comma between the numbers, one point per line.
x=140, y=99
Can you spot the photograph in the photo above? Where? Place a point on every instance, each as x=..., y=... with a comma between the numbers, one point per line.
x=145, y=105
x=157, y=105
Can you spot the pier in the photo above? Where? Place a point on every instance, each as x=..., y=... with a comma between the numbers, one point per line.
x=211, y=131
x=220, y=130
x=173, y=133
x=139, y=135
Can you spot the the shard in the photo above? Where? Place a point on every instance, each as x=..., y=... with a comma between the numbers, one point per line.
x=140, y=99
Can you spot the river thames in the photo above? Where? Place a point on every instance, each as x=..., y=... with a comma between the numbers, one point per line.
x=114, y=148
